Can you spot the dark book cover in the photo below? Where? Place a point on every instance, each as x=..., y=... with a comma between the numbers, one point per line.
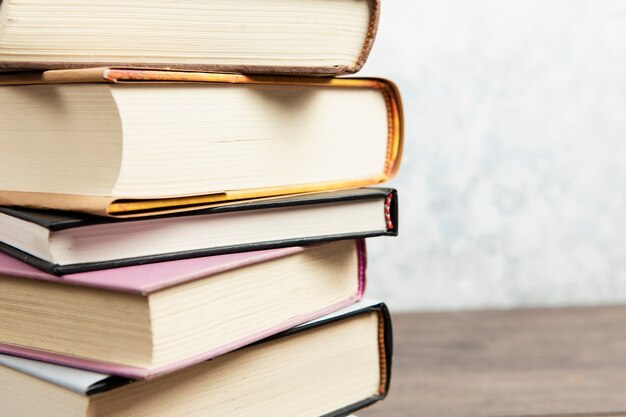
x=56, y=221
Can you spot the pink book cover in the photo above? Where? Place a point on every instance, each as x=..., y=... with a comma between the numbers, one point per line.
x=149, y=278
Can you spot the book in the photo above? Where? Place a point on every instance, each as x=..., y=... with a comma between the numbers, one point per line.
x=324, y=37
x=119, y=142
x=147, y=320
x=64, y=243
x=330, y=367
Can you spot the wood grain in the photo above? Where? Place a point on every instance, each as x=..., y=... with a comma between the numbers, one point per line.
x=542, y=362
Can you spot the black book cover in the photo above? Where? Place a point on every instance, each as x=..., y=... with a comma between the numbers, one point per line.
x=56, y=221
x=386, y=349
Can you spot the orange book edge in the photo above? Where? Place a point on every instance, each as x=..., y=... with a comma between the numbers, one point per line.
x=129, y=207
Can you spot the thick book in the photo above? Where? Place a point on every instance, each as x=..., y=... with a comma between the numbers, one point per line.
x=64, y=243
x=329, y=367
x=130, y=142
x=323, y=37
x=147, y=320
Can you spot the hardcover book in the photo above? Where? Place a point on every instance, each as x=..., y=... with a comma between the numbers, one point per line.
x=65, y=243
x=146, y=320
x=329, y=367
x=325, y=37
x=122, y=142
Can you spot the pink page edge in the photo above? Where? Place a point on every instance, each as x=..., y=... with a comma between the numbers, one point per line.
x=141, y=373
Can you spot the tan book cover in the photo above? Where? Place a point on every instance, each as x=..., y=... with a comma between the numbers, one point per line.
x=83, y=46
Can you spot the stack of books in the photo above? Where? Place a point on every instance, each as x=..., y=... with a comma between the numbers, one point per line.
x=184, y=191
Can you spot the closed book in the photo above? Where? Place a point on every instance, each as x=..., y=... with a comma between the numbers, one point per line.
x=329, y=367
x=65, y=243
x=119, y=142
x=324, y=37
x=146, y=320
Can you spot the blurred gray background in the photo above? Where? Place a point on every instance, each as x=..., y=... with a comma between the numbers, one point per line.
x=513, y=184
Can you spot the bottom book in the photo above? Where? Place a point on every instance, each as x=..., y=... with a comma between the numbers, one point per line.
x=328, y=367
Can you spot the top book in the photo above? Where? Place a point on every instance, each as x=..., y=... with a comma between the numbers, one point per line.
x=325, y=37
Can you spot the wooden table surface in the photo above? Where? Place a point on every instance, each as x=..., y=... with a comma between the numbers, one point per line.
x=542, y=362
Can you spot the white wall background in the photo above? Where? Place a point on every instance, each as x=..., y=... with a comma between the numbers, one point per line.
x=513, y=185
